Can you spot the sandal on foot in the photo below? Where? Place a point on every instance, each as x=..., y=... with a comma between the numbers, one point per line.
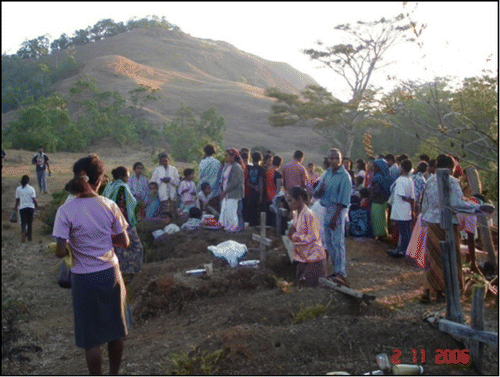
x=340, y=280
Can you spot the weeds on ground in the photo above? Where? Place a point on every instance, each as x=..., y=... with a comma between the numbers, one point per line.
x=13, y=311
x=306, y=313
x=205, y=364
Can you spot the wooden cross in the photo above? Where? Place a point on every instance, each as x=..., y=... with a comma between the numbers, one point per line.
x=262, y=239
x=281, y=214
x=348, y=291
x=453, y=324
x=484, y=229
x=448, y=256
x=474, y=336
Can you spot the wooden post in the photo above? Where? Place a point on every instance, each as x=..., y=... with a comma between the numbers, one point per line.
x=262, y=239
x=482, y=222
x=348, y=291
x=477, y=323
x=448, y=255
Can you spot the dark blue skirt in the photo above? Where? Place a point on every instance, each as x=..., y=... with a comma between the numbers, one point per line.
x=96, y=308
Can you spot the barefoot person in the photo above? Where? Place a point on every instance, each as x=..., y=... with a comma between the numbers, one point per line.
x=92, y=225
x=334, y=192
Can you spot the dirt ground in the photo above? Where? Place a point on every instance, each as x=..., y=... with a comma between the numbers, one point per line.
x=236, y=321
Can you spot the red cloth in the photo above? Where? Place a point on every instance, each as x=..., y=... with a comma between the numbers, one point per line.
x=270, y=184
x=368, y=179
x=247, y=188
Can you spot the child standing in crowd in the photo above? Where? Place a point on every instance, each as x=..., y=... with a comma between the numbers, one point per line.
x=26, y=203
x=419, y=182
x=403, y=207
x=187, y=192
x=152, y=211
x=304, y=233
x=313, y=177
x=138, y=184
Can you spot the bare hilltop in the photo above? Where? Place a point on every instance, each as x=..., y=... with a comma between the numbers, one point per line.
x=198, y=73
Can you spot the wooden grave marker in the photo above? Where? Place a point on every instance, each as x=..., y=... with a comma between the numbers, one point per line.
x=474, y=335
x=482, y=222
x=348, y=291
x=448, y=255
x=262, y=239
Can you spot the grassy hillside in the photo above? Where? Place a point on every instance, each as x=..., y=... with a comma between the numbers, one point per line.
x=200, y=73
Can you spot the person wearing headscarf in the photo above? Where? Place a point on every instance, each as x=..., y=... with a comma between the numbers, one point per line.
x=380, y=190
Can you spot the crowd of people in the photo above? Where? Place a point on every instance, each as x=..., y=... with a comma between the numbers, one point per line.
x=383, y=198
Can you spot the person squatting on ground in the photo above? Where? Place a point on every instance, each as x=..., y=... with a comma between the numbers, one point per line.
x=26, y=203
x=41, y=160
x=334, y=193
x=92, y=225
x=304, y=233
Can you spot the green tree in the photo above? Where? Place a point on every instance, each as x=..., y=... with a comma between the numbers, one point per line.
x=462, y=121
x=34, y=48
x=187, y=135
x=357, y=61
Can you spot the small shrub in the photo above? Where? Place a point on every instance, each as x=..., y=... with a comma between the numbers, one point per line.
x=58, y=199
x=310, y=312
x=205, y=364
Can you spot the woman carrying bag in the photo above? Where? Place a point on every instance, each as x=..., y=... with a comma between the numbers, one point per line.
x=92, y=225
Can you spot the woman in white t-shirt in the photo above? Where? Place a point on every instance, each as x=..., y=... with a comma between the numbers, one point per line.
x=26, y=203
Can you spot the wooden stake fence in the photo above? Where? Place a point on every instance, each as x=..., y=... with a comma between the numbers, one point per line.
x=474, y=336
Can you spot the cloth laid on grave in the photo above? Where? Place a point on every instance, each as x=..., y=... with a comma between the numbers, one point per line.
x=231, y=251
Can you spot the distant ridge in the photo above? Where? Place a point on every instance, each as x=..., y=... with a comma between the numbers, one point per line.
x=199, y=73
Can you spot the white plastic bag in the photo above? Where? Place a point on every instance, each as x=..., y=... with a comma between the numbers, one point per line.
x=231, y=251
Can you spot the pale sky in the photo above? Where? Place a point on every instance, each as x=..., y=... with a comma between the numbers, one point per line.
x=459, y=38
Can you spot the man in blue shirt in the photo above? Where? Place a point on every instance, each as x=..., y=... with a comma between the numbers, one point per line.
x=334, y=192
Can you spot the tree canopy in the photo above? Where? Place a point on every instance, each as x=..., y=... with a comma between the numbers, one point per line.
x=355, y=63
